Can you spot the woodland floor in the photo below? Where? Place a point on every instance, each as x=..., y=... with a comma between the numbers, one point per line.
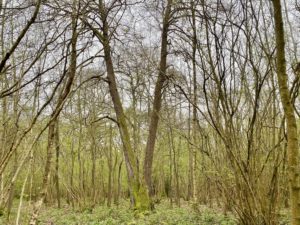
x=163, y=214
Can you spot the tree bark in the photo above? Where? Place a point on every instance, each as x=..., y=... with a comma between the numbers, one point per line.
x=194, y=126
x=110, y=169
x=137, y=187
x=57, y=150
x=157, y=100
x=291, y=126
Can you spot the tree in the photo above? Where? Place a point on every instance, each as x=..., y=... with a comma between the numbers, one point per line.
x=53, y=122
x=162, y=76
x=138, y=191
x=291, y=125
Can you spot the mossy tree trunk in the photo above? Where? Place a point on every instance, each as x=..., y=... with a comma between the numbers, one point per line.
x=157, y=102
x=292, y=139
x=138, y=190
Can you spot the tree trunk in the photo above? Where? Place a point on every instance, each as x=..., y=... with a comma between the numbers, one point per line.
x=57, y=150
x=93, y=177
x=157, y=100
x=110, y=168
x=71, y=194
x=137, y=187
x=194, y=126
x=291, y=126
x=54, y=118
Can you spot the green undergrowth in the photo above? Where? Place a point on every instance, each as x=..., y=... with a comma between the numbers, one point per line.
x=102, y=215
x=163, y=214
